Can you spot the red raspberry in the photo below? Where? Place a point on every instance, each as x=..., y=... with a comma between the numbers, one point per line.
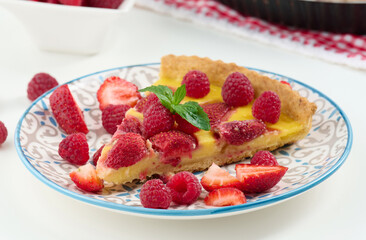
x=172, y=145
x=238, y=132
x=154, y=194
x=128, y=150
x=265, y=158
x=157, y=118
x=40, y=83
x=215, y=112
x=105, y=3
x=267, y=107
x=97, y=154
x=237, y=90
x=129, y=124
x=3, y=133
x=184, y=125
x=197, y=84
x=74, y=148
x=185, y=188
x=113, y=115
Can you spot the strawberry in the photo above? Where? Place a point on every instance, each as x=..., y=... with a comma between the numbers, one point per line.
x=172, y=145
x=184, y=126
x=257, y=178
x=85, y=177
x=129, y=149
x=66, y=111
x=105, y=3
x=287, y=83
x=97, y=155
x=117, y=91
x=73, y=2
x=216, y=112
x=216, y=177
x=238, y=132
x=225, y=197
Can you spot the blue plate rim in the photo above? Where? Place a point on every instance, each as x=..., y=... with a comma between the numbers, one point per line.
x=185, y=213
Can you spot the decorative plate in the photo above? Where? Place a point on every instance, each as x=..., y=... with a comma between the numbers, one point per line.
x=310, y=161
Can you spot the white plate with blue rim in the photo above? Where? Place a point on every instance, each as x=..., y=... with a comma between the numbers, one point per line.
x=310, y=160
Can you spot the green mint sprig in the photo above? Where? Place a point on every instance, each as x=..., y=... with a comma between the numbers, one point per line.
x=190, y=111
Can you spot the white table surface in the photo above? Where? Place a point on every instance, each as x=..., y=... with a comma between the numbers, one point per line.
x=29, y=209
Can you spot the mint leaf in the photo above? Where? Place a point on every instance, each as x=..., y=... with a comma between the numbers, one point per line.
x=179, y=94
x=164, y=93
x=194, y=114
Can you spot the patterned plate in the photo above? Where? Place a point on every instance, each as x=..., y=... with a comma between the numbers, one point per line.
x=310, y=161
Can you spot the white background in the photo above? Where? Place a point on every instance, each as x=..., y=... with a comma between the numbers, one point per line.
x=29, y=209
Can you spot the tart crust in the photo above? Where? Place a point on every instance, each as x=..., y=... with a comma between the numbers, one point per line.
x=292, y=104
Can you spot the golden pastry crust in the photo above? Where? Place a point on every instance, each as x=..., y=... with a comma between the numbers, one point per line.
x=292, y=104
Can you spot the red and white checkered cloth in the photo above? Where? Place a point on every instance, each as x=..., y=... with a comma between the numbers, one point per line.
x=337, y=48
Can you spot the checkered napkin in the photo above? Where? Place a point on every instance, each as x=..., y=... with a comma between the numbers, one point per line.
x=344, y=49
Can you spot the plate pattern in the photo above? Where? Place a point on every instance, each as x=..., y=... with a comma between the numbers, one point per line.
x=308, y=160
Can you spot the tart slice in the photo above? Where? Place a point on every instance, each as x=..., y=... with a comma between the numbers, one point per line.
x=153, y=139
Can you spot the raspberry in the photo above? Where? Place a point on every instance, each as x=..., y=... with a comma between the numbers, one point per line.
x=172, y=145
x=157, y=118
x=154, y=194
x=128, y=150
x=105, y=3
x=267, y=107
x=184, y=125
x=237, y=90
x=3, y=133
x=238, y=132
x=40, y=83
x=265, y=158
x=197, y=84
x=74, y=148
x=113, y=115
x=185, y=188
x=97, y=154
x=129, y=124
x=215, y=112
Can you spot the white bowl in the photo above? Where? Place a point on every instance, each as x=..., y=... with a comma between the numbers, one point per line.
x=63, y=28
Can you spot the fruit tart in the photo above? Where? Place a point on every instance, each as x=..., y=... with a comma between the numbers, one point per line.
x=201, y=112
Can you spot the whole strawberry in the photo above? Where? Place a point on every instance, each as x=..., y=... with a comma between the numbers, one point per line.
x=112, y=116
x=237, y=90
x=267, y=107
x=39, y=84
x=197, y=84
x=3, y=133
x=66, y=111
x=154, y=194
x=74, y=148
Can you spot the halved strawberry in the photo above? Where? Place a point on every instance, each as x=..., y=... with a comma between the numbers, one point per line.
x=238, y=132
x=216, y=177
x=66, y=111
x=257, y=178
x=85, y=177
x=225, y=197
x=117, y=91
